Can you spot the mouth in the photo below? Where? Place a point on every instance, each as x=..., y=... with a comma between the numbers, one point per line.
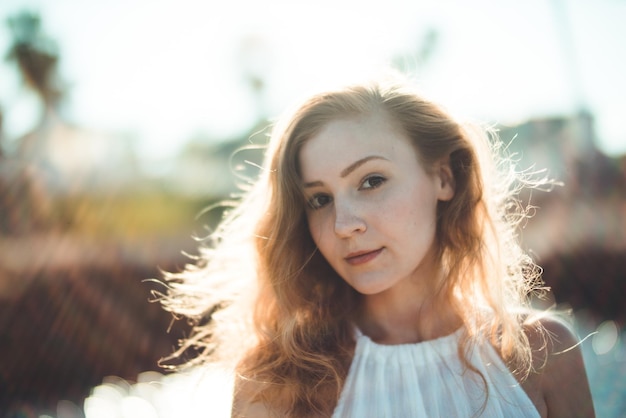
x=362, y=257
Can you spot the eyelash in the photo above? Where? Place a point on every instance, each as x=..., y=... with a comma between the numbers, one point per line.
x=312, y=201
x=376, y=179
x=380, y=180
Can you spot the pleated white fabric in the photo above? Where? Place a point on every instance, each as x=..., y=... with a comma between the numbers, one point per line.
x=427, y=379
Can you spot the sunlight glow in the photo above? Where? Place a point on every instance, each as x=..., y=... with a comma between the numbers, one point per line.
x=166, y=71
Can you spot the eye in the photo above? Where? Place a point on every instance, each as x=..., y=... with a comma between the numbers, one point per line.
x=372, y=182
x=319, y=200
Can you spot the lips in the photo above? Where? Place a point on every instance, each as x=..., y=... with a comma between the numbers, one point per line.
x=362, y=257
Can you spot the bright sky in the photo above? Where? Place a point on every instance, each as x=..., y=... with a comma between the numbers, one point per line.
x=167, y=70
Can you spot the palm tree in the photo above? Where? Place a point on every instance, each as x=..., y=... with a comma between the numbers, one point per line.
x=36, y=56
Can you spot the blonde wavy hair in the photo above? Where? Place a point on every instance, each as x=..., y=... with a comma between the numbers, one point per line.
x=262, y=296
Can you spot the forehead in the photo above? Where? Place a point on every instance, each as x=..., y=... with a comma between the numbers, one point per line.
x=345, y=140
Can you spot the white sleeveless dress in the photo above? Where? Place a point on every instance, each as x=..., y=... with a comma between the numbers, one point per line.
x=427, y=379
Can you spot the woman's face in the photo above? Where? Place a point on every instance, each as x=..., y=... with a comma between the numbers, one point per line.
x=371, y=206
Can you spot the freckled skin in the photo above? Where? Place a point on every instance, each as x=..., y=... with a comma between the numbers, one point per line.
x=386, y=205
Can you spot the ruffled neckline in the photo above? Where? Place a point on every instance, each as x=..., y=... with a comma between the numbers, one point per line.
x=444, y=340
x=420, y=379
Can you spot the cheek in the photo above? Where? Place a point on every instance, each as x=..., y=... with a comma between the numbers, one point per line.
x=315, y=229
x=322, y=236
x=412, y=215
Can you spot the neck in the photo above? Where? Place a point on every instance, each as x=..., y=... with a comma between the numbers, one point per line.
x=408, y=313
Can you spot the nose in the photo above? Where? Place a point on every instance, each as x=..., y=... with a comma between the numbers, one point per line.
x=347, y=221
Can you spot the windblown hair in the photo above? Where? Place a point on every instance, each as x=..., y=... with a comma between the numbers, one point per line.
x=261, y=275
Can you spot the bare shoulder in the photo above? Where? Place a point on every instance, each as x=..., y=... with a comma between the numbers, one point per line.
x=560, y=379
x=245, y=404
x=248, y=400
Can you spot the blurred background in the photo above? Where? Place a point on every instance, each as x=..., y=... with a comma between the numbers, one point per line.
x=118, y=124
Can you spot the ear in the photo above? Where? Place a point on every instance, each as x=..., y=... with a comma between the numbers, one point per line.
x=445, y=180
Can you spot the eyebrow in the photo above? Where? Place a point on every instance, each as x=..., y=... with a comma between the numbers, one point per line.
x=346, y=171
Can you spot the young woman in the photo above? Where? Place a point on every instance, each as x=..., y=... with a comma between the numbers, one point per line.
x=373, y=270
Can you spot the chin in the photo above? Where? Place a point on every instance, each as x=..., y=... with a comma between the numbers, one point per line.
x=370, y=289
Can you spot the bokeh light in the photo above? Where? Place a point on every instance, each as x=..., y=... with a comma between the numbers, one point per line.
x=606, y=338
